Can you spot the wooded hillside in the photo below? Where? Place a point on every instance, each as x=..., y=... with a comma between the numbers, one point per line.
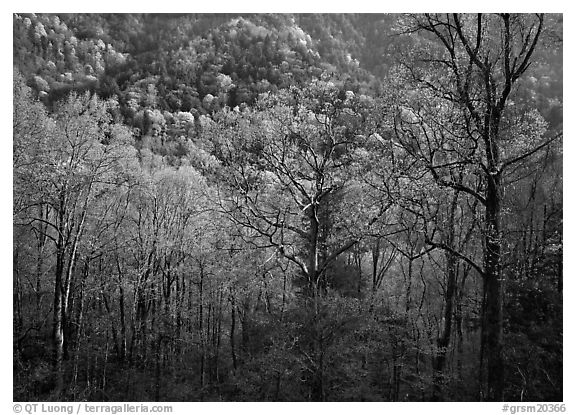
x=287, y=207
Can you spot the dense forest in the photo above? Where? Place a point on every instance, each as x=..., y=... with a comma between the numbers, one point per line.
x=287, y=207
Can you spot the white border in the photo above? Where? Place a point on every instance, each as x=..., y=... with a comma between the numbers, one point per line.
x=293, y=6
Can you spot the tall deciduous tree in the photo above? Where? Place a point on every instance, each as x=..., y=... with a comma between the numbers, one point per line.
x=288, y=166
x=459, y=124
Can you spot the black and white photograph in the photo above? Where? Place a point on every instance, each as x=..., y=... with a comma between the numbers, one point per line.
x=287, y=207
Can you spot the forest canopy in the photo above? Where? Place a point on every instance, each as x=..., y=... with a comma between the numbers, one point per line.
x=274, y=207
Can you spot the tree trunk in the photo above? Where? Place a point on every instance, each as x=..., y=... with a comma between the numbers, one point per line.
x=157, y=371
x=201, y=328
x=449, y=298
x=493, y=293
x=123, y=343
x=18, y=320
x=313, y=277
x=58, y=321
x=233, y=333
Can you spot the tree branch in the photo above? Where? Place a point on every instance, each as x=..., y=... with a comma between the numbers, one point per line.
x=455, y=253
x=456, y=186
x=514, y=160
